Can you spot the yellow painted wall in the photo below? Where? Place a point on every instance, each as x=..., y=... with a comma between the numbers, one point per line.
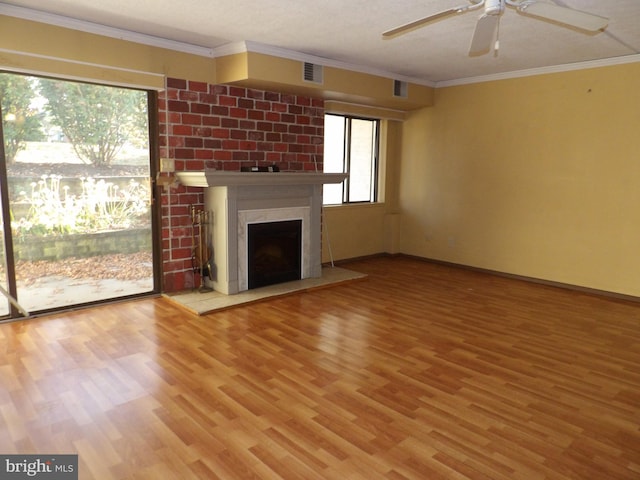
x=34, y=47
x=536, y=176
x=268, y=72
x=352, y=231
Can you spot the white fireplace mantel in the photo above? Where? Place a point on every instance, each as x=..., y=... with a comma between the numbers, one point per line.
x=217, y=178
x=236, y=199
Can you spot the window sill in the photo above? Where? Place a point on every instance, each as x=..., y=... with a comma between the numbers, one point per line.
x=346, y=206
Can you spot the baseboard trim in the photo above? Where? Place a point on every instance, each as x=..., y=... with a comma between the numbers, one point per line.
x=355, y=259
x=566, y=286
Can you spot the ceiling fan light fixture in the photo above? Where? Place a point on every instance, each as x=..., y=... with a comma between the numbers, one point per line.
x=494, y=7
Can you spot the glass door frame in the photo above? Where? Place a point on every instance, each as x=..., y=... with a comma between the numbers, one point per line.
x=155, y=216
x=9, y=263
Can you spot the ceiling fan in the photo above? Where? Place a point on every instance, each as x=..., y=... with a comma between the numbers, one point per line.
x=486, y=30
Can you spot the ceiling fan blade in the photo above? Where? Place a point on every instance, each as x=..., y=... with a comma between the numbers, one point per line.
x=567, y=16
x=484, y=34
x=402, y=29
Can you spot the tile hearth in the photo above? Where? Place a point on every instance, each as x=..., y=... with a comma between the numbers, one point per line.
x=207, y=302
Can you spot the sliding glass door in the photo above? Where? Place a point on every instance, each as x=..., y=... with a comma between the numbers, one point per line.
x=76, y=164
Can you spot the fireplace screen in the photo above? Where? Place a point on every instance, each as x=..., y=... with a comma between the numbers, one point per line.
x=274, y=252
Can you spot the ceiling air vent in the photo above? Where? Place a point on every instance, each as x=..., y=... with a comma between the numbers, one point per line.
x=312, y=72
x=399, y=89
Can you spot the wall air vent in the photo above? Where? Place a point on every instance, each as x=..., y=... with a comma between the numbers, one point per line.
x=312, y=72
x=400, y=89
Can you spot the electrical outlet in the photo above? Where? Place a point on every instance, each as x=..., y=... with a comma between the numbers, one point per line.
x=167, y=165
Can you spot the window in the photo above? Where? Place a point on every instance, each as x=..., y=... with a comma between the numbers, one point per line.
x=351, y=146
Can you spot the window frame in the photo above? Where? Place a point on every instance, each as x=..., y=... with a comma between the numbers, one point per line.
x=346, y=160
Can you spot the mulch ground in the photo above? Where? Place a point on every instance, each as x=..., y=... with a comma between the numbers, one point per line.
x=134, y=266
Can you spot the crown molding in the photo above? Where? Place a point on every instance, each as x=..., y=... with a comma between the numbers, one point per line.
x=98, y=29
x=605, y=62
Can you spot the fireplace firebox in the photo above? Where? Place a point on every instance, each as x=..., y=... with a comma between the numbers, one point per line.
x=274, y=252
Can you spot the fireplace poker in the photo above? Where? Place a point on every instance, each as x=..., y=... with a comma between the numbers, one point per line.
x=201, y=252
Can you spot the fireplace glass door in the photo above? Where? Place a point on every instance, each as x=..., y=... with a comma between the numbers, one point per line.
x=274, y=252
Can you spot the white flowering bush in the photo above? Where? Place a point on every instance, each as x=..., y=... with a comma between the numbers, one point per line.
x=100, y=206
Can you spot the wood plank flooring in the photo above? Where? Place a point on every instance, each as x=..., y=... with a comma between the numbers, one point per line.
x=421, y=371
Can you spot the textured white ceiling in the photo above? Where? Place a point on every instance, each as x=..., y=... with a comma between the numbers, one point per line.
x=350, y=31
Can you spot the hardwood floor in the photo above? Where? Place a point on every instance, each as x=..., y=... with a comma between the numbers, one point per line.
x=421, y=371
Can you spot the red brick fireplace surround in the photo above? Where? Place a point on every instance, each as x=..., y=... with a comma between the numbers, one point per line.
x=225, y=127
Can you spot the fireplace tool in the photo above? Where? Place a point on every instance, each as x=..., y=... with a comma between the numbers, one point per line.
x=201, y=250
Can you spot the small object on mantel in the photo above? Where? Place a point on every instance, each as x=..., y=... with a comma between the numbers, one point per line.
x=255, y=168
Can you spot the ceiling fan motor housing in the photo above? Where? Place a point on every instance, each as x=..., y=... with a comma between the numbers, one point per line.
x=493, y=7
